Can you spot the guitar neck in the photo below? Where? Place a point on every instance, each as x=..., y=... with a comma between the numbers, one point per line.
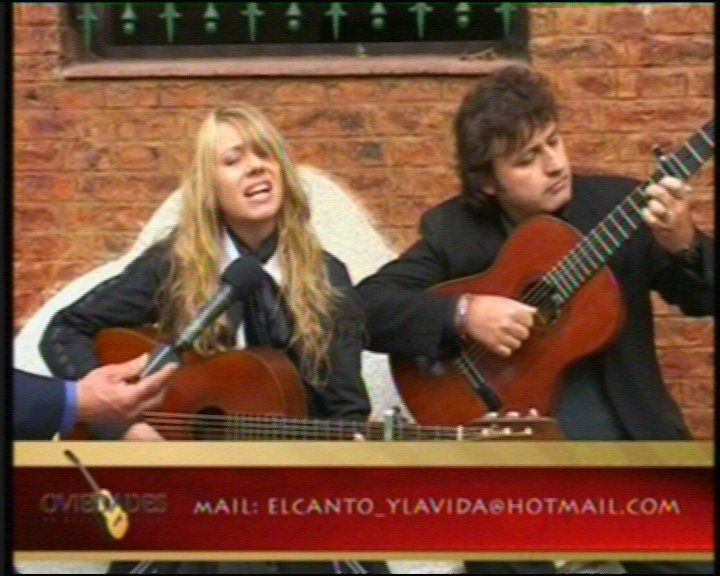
x=90, y=480
x=244, y=427
x=603, y=241
x=273, y=427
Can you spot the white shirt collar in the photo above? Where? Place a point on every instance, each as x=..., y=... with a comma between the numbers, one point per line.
x=230, y=253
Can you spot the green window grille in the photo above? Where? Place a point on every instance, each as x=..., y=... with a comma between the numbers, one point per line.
x=217, y=29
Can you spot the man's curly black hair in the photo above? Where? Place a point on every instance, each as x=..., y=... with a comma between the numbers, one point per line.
x=497, y=118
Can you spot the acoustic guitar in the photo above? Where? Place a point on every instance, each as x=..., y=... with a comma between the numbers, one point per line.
x=579, y=310
x=257, y=394
x=113, y=518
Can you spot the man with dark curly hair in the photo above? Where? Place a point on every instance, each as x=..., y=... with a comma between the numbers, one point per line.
x=513, y=167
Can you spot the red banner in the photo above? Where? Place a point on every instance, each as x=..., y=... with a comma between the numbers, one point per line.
x=366, y=509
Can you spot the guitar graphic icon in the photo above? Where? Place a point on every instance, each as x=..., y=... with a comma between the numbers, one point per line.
x=114, y=519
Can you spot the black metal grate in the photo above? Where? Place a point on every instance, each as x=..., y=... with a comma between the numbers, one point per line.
x=154, y=29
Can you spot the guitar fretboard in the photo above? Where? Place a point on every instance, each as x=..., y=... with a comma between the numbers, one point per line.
x=271, y=427
x=596, y=248
x=75, y=460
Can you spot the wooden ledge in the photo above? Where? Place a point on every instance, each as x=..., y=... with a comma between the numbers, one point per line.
x=304, y=66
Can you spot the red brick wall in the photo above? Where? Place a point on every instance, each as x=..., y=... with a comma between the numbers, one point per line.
x=94, y=158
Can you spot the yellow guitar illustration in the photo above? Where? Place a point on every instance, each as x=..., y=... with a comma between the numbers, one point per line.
x=115, y=520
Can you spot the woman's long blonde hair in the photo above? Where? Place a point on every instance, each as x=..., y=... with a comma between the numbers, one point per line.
x=196, y=252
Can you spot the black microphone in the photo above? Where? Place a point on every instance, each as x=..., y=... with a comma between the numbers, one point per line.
x=240, y=279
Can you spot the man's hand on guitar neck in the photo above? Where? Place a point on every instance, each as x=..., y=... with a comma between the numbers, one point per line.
x=498, y=323
x=668, y=214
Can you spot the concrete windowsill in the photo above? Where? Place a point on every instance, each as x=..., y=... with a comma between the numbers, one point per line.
x=283, y=66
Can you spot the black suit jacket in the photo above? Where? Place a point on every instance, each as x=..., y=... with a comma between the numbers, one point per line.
x=455, y=242
x=38, y=404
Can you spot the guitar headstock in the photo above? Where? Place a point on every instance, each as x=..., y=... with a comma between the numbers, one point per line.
x=513, y=425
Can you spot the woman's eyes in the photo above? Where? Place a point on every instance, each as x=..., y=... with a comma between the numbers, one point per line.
x=231, y=160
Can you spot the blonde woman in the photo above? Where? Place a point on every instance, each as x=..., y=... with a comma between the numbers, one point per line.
x=241, y=197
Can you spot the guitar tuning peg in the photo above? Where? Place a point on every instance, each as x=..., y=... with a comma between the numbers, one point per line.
x=512, y=414
x=533, y=413
x=507, y=431
x=491, y=415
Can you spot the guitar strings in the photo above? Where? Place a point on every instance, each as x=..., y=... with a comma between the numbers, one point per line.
x=562, y=270
x=580, y=253
x=582, y=250
x=275, y=424
x=246, y=426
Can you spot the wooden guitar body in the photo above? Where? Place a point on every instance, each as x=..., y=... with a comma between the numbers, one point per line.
x=256, y=380
x=440, y=393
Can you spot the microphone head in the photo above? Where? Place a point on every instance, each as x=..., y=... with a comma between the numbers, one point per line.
x=244, y=275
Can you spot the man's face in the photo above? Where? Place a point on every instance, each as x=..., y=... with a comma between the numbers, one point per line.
x=535, y=179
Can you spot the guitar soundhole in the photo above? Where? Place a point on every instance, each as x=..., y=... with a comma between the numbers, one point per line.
x=546, y=299
x=206, y=424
